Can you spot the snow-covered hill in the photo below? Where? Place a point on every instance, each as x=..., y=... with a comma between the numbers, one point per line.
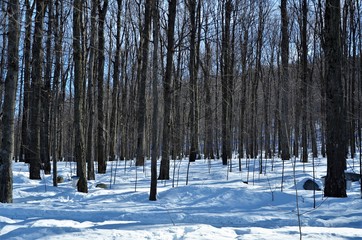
x=216, y=204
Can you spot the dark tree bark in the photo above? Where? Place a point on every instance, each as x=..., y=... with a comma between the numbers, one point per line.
x=154, y=152
x=353, y=67
x=165, y=161
x=304, y=78
x=25, y=131
x=36, y=86
x=115, y=93
x=177, y=129
x=3, y=45
x=58, y=35
x=78, y=96
x=335, y=183
x=90, y=92
x=140, y=160
x=46, y=95
x=284, y=138
x=209, y=148
x=101, y=138
x=225, y=71
x=124, y=110
x=226, y=75
x=193, y=82
x=7, y=143
x=244, y=54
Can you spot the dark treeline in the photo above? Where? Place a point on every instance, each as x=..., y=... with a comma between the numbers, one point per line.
x=105, y=80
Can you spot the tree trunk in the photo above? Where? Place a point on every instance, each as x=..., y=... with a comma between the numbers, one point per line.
x=7, y=144
x=36, y=86
x=101, y=138
x=284, y=138
x=304, y=78
x=78, y=96
x=46, y=95
x=123, y=117
x=56, y=103
x=140, y=160
x=244, y=54
x=193, y=82
x=115, y=94
x=165, y=161
x=154, y=152
x=177, y=127
x=209, y=149
x=335, y=184
x=25, y=131
x=90, y=91
x=226, y=75
x=352, y=84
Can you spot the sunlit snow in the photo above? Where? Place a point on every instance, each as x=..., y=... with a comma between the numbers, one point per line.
x=216, y=204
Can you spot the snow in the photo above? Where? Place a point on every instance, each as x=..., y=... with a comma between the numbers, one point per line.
x=216, y=204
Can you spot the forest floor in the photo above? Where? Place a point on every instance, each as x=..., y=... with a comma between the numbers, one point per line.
x=216, y=204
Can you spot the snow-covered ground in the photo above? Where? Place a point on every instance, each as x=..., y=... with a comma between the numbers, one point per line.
x=216, y=204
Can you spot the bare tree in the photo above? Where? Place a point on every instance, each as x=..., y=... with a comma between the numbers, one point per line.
x=209, y=148
x=78, y=97
x=335, y=183
x=244, y=55
x=284, y=138
x=46, y=96
x=165, y=161
x=304, y=78
x=25, y=131
x=7, y=126
x=154, y=152
x=226, y=76
x=115, y=93
x=36, y=86
x=58, y=35
x=90, y=91
x=142, y=85
x=101, y=148
x=193, y=80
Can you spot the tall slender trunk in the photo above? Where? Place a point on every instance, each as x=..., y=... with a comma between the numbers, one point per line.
x=353, y=39
x=36, y=86
x=336, y=156
x=46, y=96
x=154, y=152
x=226, y=74
x=193, y=81
x=7, y=126
x=25, y=131
x=244, y=54
x=141, y=113
x=165, y=161
x=115, y=94
x=284, y=138
x=90, y=92
x=123, y=117
x=177, y=137
x=78, y=97
x=209, y=149
x=101, y=138
x=304, y=76
x=58, y=35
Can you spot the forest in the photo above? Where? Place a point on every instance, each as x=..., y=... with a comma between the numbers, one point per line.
x=97, y=81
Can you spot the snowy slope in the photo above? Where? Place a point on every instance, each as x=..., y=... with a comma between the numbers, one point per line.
x=216, y=204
